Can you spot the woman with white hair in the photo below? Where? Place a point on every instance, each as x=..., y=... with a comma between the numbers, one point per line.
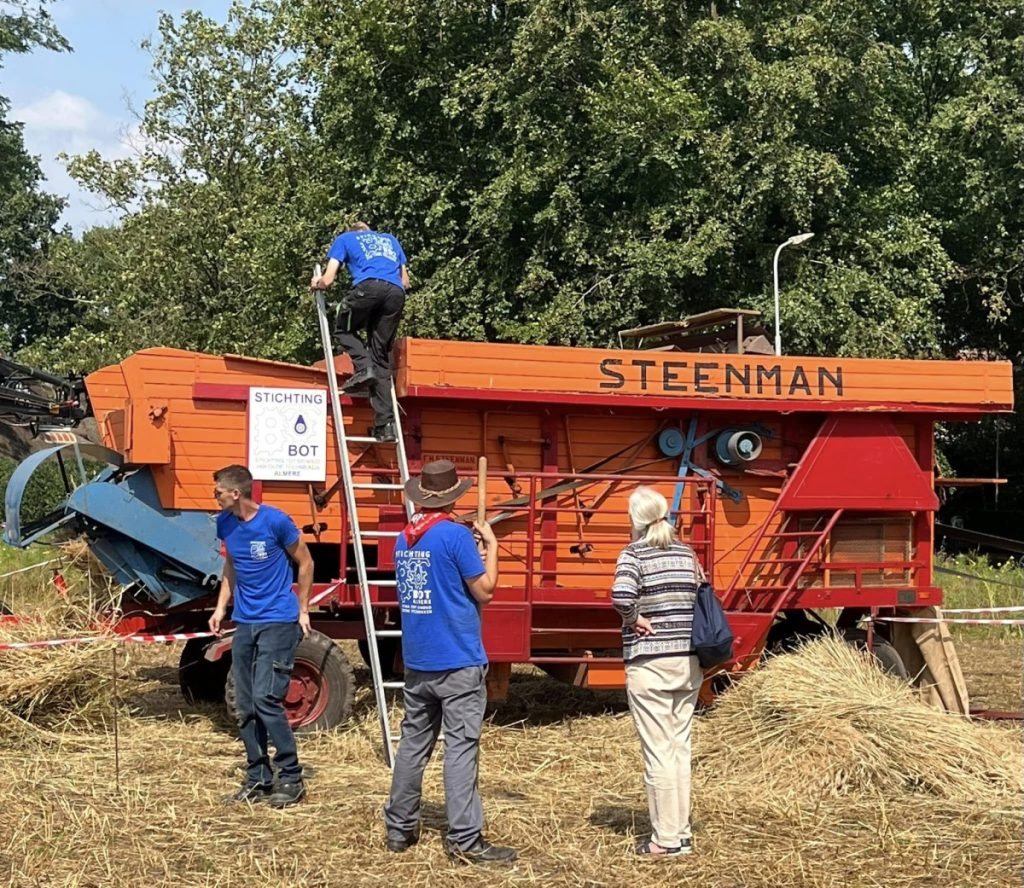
x=654, y=592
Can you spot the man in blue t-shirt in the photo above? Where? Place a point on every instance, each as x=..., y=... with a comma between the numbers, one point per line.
x=260, y=543
x=375, y=303
x=442, y=584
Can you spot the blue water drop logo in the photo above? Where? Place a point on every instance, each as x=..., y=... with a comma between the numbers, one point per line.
x=300, y=425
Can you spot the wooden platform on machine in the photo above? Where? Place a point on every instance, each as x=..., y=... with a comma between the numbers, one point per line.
x=496, y=371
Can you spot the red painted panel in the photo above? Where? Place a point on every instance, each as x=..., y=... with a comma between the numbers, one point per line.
x=215, y=391
x=506, y=632
x=389, y=518
x=749, y=632
x=859, y=462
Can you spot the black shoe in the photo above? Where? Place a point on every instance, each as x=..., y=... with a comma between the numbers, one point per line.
x=401, y=844
x=644, y=849
x=251, y=794
x=359, y=381
x=288, y=794
x=385, y=434
x=482, y=851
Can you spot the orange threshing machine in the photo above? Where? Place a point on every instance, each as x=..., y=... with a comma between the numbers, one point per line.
x=803, y=483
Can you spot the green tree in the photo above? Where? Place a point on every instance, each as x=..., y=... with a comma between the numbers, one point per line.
x=559, y=170
x=27, y=215
x=215, y=241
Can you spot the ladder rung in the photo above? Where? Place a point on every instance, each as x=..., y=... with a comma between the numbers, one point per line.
x=379, y=533
x=394, y=685
x=365, y=439
x=778, y=561
x=381, y=583
x=387, y=633
x=372, y=485
x=789, y=534
x=764, y=588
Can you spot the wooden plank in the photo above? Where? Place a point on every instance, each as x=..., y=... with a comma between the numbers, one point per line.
x=551, y=368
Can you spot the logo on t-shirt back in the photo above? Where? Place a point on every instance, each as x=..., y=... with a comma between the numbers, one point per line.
x=412, y=581
x=258, y=550
x=377, y=245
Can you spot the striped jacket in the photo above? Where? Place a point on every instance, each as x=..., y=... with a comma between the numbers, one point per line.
x=660, y=584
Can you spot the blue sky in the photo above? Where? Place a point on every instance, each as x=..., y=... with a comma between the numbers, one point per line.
x=80, y=100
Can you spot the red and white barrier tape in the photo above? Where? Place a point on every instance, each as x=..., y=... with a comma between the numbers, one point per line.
x=321, y=596
x=959, y=621
x=982, y=610
x=22, y=570
x=96, y=639
x=172, y=636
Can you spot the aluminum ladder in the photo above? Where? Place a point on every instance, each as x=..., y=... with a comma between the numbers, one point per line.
x=358, y=534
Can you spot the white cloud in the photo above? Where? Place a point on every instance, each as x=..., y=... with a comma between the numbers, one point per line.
x=61, y=123
x=59, y=111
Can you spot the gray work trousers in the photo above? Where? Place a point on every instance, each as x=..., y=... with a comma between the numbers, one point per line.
x=456, y=700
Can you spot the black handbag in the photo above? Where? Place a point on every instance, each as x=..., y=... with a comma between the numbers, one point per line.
x=712, y=638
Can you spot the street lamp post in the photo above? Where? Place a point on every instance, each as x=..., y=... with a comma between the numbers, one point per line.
x=793, y=241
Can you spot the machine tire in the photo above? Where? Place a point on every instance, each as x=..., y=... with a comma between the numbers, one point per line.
x=387, y=650
x=887, y=657
x=200, y=680
x=792, y=630
x=321, y=691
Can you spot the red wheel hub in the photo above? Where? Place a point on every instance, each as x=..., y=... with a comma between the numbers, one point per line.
x=307, y=695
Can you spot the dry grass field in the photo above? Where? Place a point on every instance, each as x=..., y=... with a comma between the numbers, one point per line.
x=816, y=770
x=790, y=789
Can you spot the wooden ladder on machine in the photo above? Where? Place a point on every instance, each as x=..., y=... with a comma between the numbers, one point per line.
x=345, y=461
x=776, y=590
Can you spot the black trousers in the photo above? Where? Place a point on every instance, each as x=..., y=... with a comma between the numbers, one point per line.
x=376, y=307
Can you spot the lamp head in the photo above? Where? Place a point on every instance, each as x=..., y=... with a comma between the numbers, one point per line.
x=800, y=238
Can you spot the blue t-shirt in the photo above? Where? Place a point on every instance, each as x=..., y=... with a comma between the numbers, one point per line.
x=263, y=570
x=369, y=254
x=440, y=619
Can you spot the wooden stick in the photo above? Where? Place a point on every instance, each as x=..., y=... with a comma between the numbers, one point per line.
x=481, y=489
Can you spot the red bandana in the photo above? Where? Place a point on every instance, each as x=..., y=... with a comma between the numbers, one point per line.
x=420, y=524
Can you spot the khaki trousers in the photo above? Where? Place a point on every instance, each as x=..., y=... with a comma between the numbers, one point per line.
x=662, y=693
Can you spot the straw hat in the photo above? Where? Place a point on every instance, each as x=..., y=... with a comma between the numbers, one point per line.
x=437, y=485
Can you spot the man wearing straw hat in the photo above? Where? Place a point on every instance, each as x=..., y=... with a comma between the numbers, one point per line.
x=442, y=584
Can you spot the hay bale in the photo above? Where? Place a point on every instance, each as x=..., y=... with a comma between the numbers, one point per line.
x=826, y=721
x=52, y=686
x=60, y=686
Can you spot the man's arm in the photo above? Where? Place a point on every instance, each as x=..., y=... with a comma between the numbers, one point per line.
x=404, y=272
x=482, y=587
x=299, y=553
x=327, y=278
x=227, y=585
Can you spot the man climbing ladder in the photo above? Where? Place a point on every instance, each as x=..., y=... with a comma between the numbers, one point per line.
x=375, y=303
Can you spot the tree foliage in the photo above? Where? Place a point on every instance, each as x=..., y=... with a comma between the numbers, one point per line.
x=27, y=215
x=560, y=169
x=212, y=236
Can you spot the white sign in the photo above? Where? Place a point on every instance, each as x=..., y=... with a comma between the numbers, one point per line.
x=288, y=434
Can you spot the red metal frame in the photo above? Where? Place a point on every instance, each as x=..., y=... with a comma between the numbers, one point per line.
x=535, y=619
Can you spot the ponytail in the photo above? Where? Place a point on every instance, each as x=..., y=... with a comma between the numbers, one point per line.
x=648, y=512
